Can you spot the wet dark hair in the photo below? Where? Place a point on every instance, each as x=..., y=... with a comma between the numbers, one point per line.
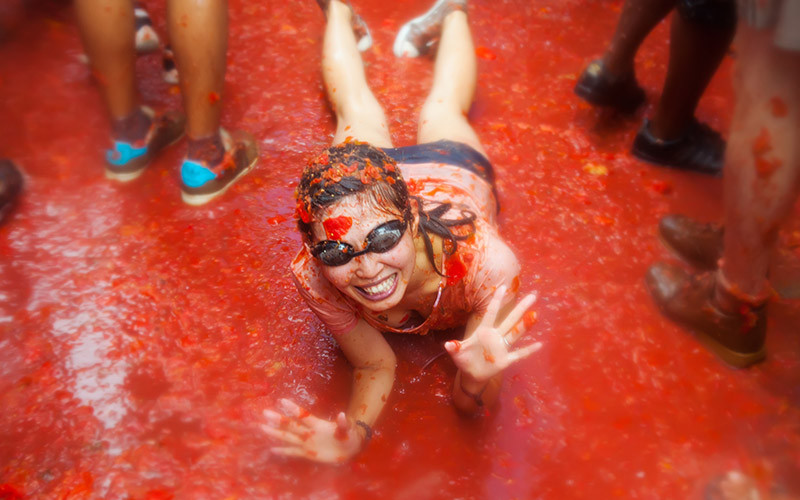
x=356, y=167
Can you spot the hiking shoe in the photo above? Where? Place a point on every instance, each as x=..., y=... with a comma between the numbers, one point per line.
x=360, y=28
x=598, y=87
x=735, y=337
x=697, y=243
x=201, y=183
x=10, y=186
x=126, y=161
x=420, y=36
x=701, y=149
x=146, y=36
x=170, y=71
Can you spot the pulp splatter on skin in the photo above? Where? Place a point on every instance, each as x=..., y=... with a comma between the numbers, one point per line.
x=778, y=107
x=337, y=228
x=761, y=146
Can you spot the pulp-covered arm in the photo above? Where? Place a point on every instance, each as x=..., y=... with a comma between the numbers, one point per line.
x=305, y=435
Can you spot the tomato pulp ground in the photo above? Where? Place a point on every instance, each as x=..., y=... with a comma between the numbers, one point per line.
x=141, y=338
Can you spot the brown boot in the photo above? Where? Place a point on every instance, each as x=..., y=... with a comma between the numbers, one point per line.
x=698, y=244
x=10, y=186
x=736, y=337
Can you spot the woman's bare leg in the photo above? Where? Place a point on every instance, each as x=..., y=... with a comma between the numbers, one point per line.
x=444, y=114
x=358, y=113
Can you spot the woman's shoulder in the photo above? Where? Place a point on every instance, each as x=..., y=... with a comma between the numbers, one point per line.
x=324, y=299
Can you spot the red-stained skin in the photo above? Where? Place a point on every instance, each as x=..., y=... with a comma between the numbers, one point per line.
x=184, y=320
x=778, y=107
x=336, y=228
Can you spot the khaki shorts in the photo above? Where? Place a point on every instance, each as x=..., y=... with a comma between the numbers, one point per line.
x=781, y=15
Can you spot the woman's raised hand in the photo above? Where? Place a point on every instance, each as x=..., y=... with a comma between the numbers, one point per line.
x=307, y=436
x=487, y=351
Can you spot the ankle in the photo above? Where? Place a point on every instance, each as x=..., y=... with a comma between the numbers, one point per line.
x=617, y=68
x=730, y=299
x=131, y=128
x=208, y=150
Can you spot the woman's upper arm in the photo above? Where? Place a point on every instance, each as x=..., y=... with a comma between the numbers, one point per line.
x=498, y=267
x=365, y=347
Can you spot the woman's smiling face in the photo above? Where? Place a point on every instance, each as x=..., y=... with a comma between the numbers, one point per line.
x=376, y=280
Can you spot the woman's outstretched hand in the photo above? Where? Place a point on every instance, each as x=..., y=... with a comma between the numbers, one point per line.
x=307, y=436
x=487, y=351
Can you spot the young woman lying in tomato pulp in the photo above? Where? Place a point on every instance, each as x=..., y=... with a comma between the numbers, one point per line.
x=401, y=239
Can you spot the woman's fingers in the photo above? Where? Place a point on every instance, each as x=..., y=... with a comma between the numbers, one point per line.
x=290, y=451
x=494, y=306
x=524, y=352
x=290, y=408
x=511, y=323
x=285, y=436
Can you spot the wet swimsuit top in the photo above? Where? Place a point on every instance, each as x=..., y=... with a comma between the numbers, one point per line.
x=480, y=265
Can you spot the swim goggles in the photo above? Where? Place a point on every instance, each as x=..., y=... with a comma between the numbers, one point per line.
x=380, y=240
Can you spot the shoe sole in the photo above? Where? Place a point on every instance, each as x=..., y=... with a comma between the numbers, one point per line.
x=130, y=176
x=660, y=163
x=196, y=200
x=400, y=39
x=734, y=359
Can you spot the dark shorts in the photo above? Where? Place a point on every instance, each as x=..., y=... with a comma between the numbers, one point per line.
x=447, y=152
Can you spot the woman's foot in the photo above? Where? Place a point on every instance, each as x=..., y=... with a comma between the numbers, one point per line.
x=421, y=35
x=207, y=171
x=697, y=243
x=146, y=36
x=734, y=332
x=700, y=149
x=599, y=87
x=10, y=186
x=132, y=152
x=360, y=28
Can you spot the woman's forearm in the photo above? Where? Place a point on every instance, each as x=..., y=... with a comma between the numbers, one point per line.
x=371, y=388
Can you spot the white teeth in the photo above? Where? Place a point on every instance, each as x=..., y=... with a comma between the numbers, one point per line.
x=381, y=287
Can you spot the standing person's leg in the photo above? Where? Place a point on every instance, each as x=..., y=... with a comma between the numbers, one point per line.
x=107, y=30
x=443, y=116
x=637, y=20
x=198, y=32
x=700, y=37
x=611, y=81
x=358, y=113
x=762, y=176
x=762, y=181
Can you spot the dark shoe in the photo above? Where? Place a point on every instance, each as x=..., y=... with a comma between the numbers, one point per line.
x=421, y=35
x=596, y=86
x=701, y=149
x=737, y=338
x=126, y=161
x=201, y=183
x=698, y=244
x=10, y=186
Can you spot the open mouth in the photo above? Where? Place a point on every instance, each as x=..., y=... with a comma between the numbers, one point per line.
x=380, y=290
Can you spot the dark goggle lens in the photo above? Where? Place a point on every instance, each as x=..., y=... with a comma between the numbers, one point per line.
x=386, y=236
x=380, y=240
x=333, y=253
